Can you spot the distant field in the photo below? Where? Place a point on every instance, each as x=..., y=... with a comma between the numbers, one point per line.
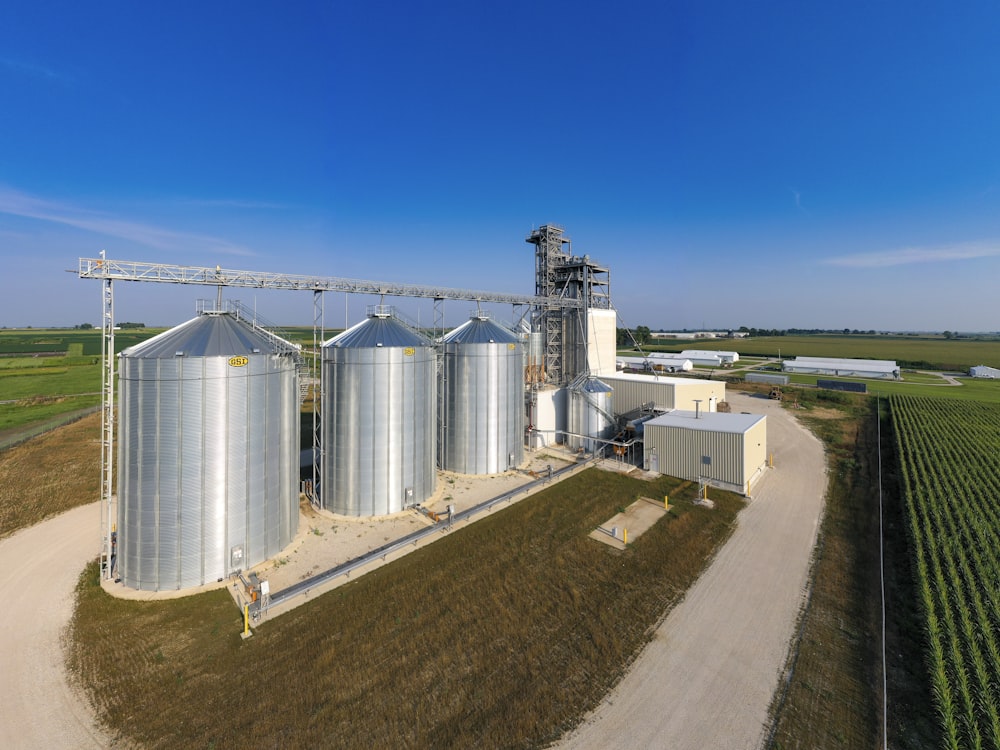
x=36, y=340
x=43, y=387
x=971, y=389
x=908, y=351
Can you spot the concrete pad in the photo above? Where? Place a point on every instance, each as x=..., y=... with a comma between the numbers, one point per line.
x=638, y=517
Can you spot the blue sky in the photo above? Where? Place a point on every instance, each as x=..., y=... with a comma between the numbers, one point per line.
x=783, y=164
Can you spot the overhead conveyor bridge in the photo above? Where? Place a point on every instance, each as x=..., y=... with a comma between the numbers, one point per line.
x=124, y=270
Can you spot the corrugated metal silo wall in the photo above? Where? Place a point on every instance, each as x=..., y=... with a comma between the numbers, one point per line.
x=208, y=460
x=379, y=418
x=587, y=417
x=482, y=407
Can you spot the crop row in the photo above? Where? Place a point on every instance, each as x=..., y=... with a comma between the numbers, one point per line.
x=951, y=481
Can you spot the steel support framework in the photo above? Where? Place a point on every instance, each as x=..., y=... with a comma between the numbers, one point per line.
x=107, y=425
x=562, y=278
x=318, y=389
x=99, y=268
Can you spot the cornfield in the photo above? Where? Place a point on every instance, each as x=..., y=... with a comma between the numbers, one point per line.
x=948, y=453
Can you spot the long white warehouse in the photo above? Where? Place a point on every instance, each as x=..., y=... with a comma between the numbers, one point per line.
x=656, y=362
x=855, y=368
x=711, y=358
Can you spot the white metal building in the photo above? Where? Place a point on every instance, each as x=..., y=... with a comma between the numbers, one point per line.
x=982, y=371
x=709, y=358
x=726, y=450
x=656, y=362
x=854, y=368
x=633, y=390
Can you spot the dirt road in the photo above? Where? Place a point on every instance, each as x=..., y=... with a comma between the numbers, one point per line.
x=706, y=679
x=41, y=565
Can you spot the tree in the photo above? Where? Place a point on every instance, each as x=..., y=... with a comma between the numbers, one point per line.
x=948, y=334
x=641, y=334
x=85, y=326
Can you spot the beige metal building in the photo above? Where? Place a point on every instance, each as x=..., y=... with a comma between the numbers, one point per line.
x=633, y=390
x=726, y=450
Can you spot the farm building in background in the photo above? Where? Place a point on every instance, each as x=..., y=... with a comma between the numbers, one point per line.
x=854, y=368
x=711, y=358
x=982, y=371
x=655, y=362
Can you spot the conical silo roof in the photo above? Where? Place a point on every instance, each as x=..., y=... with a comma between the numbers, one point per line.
x=480, y=331
x=208, y=335
x=587, y=383
x=377, y=331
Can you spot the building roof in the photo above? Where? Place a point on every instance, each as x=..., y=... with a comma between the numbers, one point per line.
x=480, y=331
x=209, y=335
x=586, y=383
x=667, y=356
x=377, y=331
x=709, y=353
x=707, y=421
x=653, y=378
x=828, y=363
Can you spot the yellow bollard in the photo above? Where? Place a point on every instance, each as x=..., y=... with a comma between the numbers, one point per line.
x=625, y=535
x=246, y=620
x=666, y=502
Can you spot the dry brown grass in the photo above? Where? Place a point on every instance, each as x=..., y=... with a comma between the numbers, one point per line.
x=831, y=699
x=501, y=635
x=50, y=474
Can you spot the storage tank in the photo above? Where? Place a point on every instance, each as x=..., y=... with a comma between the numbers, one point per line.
x=208, y=452
x=481, y=399
x=590, y=413
x=534, y=368
x=378, y=418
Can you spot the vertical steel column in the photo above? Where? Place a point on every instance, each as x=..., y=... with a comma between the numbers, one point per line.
x=317, y=390
x=438, y=317
x=107, y=419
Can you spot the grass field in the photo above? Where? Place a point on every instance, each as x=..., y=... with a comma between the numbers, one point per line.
x=42, y=387
x=908, y=351
x=970, y=389
x=501, y=635
x=50, y=474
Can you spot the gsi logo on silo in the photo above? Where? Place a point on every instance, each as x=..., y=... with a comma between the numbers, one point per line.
x=238, y=361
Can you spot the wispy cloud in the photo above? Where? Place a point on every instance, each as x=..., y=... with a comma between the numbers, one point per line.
x=229, y=203
x=32, y=70
x=909, y=255
x=17, y=203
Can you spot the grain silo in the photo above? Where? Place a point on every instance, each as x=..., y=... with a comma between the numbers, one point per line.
x=378, y=418
x=590, y=413
x=481, y=401
x=208, y=452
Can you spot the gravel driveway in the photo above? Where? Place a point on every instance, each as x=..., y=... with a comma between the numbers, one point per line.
x=41, y=566
x=706, y=679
